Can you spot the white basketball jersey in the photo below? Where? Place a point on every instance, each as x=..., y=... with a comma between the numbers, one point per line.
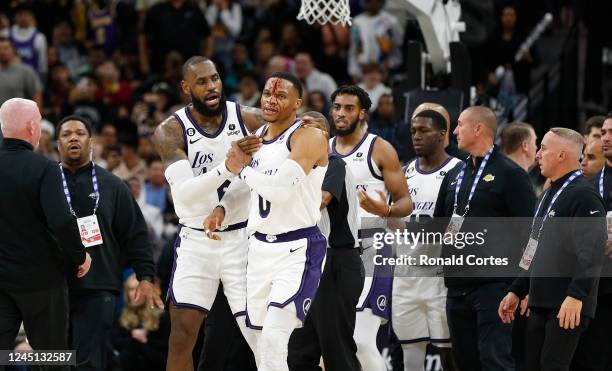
x=204, y=152
x=301, y=210
x=365, y=172
x=424, y=185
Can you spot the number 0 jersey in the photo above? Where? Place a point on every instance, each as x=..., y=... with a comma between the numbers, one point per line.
x=301, y=210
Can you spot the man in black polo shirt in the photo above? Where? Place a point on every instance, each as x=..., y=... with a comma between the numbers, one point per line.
x=36, y=232
x=562, y=259
x=489, y=186
x=116, y=234
x=330, y=323
x=592, y=353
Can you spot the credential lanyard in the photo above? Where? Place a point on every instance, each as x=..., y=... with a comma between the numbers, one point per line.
x=601, y=182
x=473, y=190
x=567, y=182
x=94, y=181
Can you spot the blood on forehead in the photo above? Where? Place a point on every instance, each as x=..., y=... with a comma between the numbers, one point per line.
x=275, y=84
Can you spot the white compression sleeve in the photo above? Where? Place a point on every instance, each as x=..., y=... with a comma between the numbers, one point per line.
x=186, y=187
x=277, y=187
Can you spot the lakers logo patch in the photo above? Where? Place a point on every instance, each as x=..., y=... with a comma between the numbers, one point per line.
x=488, y=178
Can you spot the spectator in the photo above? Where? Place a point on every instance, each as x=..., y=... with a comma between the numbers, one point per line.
x=141, y=334
x=592, y=130
x=131, y=164
x=30, y=44
x=112, y=90
x=18, y=80
x=376, y=37
x=312, y=78
x=109, y=136
x=152, y=214
x=146, y=151
x=504, y=45
x=103, y=26
x=172, y=25
x=113, y=157
x=593, y=159
x=68, y=50
x=279, y=63
x=263, y=53
x=84, y=102
x=373, y=83
x=225, y=19
x=45, y=147
x=518, y=142
x=156, y=189
x=57, y=92
x=249, y=93
x=335, y=40
x=240, y=65
x=290, y=42
x=316, y=101
x=383, y=122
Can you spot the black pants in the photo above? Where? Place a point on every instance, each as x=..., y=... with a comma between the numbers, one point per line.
x=548, y=346
x=224, y=346
x=593, y=352
x=330, y=323
x=91, y=321
x=480, y=340
x=45, y=318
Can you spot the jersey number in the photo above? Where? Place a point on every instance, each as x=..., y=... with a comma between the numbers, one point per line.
x=221, y=190
x=264, y=208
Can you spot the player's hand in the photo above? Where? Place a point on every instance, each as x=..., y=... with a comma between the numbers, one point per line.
x=524, y=306
x=140, y=335
x=250, y=144
x=213, y=222
x=378, y=207
x=507, y=307
x=145, y=292
x=236, y=159
x=84, y=268
x=569, y=314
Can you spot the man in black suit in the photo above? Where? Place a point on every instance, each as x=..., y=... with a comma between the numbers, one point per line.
x=36, y=232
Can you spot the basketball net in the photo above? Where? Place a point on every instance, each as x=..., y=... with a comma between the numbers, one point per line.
x=325, y=11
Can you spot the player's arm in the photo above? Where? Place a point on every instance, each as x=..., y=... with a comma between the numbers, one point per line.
x=252, y=118
x=385, y=156
x=308, y=149
x=170, y=145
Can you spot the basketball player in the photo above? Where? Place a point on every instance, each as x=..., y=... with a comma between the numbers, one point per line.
x=193, y=143
x=286, y=249
x=419, y=294
x=376, y=168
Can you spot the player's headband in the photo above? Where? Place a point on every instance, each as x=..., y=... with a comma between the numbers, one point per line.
x=434, y=115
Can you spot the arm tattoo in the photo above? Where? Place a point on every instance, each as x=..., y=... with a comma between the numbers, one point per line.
x=253, y=118
x=169, y=142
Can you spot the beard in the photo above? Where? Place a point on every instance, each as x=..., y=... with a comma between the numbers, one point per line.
x=203, y=109
x=350, y=130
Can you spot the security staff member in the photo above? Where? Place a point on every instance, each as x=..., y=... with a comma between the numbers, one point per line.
x=330, y=323
x=592, y=353
x=116, y=232
x=36, y=230
x=562, y=259
x=486, y=185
